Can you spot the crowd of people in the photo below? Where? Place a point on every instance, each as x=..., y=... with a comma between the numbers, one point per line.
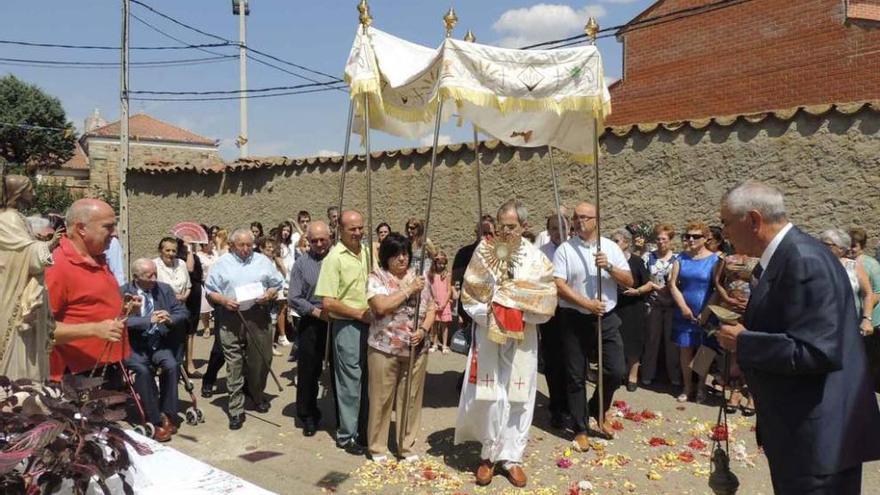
x=373, y=315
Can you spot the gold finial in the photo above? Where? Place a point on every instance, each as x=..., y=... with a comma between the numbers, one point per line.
x=592, y=29
x=450, y=19
x=470, y=37
x=364, y=14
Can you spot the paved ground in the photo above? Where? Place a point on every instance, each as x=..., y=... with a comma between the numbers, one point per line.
x=271, y=452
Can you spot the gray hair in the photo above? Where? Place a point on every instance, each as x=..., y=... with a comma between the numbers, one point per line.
x=837, y=237
x=515, y=205
x=756, y=196
x=240, y=232
x=140, y=265
x=621, y=232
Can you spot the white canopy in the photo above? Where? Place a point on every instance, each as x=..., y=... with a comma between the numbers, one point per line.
x=525, y=98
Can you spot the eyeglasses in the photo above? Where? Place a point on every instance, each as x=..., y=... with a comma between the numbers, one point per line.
x=691, y=237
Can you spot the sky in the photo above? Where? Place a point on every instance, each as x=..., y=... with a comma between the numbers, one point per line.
x=316, y=35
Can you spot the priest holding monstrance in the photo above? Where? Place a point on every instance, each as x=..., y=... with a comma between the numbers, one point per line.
x=508, y=290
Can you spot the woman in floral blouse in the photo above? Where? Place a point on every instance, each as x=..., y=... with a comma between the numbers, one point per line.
x=391, y=292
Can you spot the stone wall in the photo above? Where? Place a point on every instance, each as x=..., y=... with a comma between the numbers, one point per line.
x=828, y=166
x=104, y=157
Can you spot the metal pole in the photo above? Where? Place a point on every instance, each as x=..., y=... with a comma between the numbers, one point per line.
x=242, y=67
x=341, y=196
x=563, y=232
x=123, y=143
x=367, y=159
x=600, y=378
x=401, y=431
x=479, y=186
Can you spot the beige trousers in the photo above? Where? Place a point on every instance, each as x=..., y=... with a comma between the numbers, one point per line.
x=387, y=386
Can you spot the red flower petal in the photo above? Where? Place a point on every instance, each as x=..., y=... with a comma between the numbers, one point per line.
x=697, y=444
x=686, y=456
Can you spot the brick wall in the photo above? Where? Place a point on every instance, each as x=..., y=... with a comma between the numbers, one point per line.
x=752, y=56
x=828, y=165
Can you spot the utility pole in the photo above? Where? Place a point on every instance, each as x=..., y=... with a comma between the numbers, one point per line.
x=242, y=13
x=123, y=143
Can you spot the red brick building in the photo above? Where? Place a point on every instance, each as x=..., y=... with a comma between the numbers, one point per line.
x=725, y=57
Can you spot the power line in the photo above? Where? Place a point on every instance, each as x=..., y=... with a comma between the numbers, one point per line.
x=67, y=64
x=228, y=41
x=105, y=47
x=651, y=21
x=35, y=127
x=234, y=91
x=220, y=98
x=255, y=59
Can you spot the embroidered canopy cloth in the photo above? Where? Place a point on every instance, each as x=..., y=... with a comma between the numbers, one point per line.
x=525, y=98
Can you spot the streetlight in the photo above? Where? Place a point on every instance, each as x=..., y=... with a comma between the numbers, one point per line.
x=242, y=140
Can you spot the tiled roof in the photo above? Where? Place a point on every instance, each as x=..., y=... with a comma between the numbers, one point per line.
x=79, y=160
x=144, y=127
x=722, y=121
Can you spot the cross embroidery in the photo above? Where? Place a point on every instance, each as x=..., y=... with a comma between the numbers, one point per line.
x=519, y=384
x=488, y=380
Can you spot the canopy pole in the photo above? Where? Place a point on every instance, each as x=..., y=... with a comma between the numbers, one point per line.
x=591, y=29
x=421, y=269
x=450, y=19
x=326, y=361
x=367, y=159
x=563, y=232
x=471, y=38
x=479, y=185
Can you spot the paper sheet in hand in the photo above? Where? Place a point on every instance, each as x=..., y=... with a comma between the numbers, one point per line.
x=247, y=294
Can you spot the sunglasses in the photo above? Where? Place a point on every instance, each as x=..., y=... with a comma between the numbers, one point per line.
x=691, y=237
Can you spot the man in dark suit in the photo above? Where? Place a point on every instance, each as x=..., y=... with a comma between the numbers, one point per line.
x=155, y=335
x=801, y=352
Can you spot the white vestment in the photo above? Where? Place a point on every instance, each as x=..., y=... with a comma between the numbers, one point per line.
x=497, y=411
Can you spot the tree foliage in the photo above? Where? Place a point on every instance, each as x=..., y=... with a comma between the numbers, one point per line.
x=23, y=104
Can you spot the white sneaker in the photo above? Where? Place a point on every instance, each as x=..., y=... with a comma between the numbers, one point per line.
x=411, y=458
x=379, y=459
x=283, y=342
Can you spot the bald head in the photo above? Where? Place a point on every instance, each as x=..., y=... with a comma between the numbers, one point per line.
x=318, y=234
x=351, y=226
x=82, y=210
x=584, y=220
x=90, y=225
x=143, y=270
x=317, y=228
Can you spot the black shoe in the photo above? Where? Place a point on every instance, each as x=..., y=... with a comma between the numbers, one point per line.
x=262, y=407
x=352, y=447
x=309, y=428
x=236, y=421
x=557, y=421
x=632, y=386
x=207, y=390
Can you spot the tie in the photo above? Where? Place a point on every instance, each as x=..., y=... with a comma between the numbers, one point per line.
x=153, y=332
x=756, y=275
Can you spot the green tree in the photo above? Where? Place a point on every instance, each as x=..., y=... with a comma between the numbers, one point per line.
x=25, y=112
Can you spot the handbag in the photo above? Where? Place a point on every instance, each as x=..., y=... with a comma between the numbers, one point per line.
x=461, y=339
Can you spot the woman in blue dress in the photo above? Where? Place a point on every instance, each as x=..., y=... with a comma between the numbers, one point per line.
x=691, y=284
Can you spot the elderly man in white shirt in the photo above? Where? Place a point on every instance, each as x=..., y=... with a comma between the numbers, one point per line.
x=243, y=320
x=577, y=265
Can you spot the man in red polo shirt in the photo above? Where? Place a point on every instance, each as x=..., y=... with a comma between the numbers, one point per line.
x=83, y=293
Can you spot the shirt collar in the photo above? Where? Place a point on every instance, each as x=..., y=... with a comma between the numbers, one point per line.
x=771, y=248
x=72, y=254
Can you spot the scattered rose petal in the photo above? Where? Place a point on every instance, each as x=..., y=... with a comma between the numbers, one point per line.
x=719, y=433
x=563, y=463
x=657, y=441
x=616, y=425
x=686, y=456
x=697, y=444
